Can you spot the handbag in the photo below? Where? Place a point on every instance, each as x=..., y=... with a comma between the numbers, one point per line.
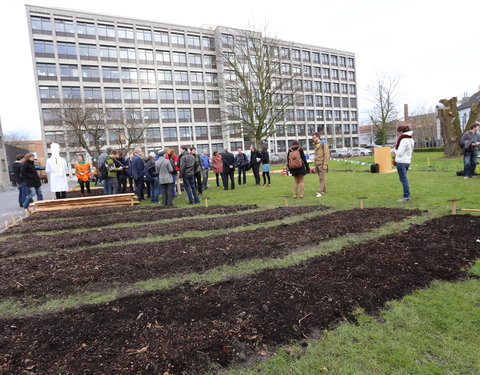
x=394, y=163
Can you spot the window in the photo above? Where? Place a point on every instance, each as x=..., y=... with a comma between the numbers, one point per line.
x=110, y=73
x=161, y=37
x=289, y=114
x=295, y=54
x=354, y=115
x=306, y=56
x=319, y=115
x=193, y=41
x=86, y=29
x=41, y=24
x=284, y=53
x=230, y=75
x=211, y=78
x=46, y=70
x=316, y=58
x=227, y=39
x=310, y=114
x=201, y=132
x=307, y=85
x=214, y=114
x=168, y=115
x=48, y=92
x=49, y=116
x=209, y=61
x=200, y=114
x=309, y=100
x=185, y=115
x=64, y=27
x=88, y=50
x=162, y=57
x=354, y=128
x=149, y=95
x=338, y=115
x=131, y=95
x=317, y=71
x=343, y=75
x=170, y=134
x=144, y=36
x=281, y=146
x=343, y=61
x=178, y=40
x=71, y=92
x=334, y=73
x=336, y=88
x=286, y=68
x=145, y=55
x=68, y=71
x=307, y=70
x=112, y=94
x=166, y=95
x=198, y=97
x=351, y=76
x=108, y=52
x=345, y=115
x=67, y=49
x=345, y=102
x=328, y=101
x=326, y=87
x=128, y=54
x=153, y=134
x=181, y=77
x=150, y=114
x=195, y=59
x=334, y=59
x=318, y=86
x=318, y=100
x=182, y=96
x=300, y=114
x=43, y=47
x=236, y=145
x=129, y=74
x=325, y=73
x=353, y=102
x=179, y=58
x=343, y=88
x=125, y=33
x=353, y=89
x=297, y=70
x=208, y=42
x=328, y=115
x=106, y=31
x=325, y=58
x=147, y=76
x=164, y=76
x=351, y=63
x=92, y=93
x=90, y=72
x=213, y=97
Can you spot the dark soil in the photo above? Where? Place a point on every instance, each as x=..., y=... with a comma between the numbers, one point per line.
x=96, y=269
x=94, y=192
x=93, y=221
x=186, y=329
x=34, y=243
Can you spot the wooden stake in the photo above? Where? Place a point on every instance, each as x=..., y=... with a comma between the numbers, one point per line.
x=470, y=209
x=286, y=199
x=454, y=205
x=206, y=201
x=6, y=224
x=361, y=199
x=14, y=221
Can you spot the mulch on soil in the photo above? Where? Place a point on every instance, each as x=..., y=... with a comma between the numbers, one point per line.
x=93, y=221
x=185, y=329
x=96, y=269
x=34, y=243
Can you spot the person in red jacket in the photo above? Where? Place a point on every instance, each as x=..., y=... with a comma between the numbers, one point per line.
x=217, y=165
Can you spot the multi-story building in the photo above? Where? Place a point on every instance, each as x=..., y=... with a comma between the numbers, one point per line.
x=4, y=176
x=168, y=76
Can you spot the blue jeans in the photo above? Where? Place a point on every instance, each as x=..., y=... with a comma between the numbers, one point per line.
x=155, y=190
x=469, y=163
x=106, y=187
x=174, y=186
x=31, y=193
x=22, y=192
x=139, y=188
x=402, y=169
x=191, y=189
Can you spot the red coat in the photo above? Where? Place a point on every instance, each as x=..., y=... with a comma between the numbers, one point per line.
x=217, y=163
x=175, y=160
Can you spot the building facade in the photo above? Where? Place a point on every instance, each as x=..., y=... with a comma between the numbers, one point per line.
x=169, y=77
x=4, y=175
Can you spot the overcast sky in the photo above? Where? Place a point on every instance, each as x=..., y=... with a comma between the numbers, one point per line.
x=433, y=46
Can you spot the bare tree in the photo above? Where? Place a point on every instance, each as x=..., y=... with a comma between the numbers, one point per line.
x=15, y=137
x=450, y=125
x=256, y=93
x=383, y=115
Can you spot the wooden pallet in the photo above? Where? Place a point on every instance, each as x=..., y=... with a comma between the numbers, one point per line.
x=79, y=203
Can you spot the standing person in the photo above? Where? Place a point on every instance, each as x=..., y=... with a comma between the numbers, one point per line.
x=205, y=167
x=198, y=170
x=322, y=156
x=228, y=161
x=265, y=158
x=122, y=173
x=241, y=162
x=170, y=155
x=255, y=159
x=57, y=170
x=164, y=169
x=138, y=169
x=102, y=169
x=298, y=167
x=469, y=143
x=32, y=181
x=83, y=173
x=151, y=171
x=403, y=158
x=217, y=165
x=187, y=173
x=112, y=173
x=128, y=165
x=19, y=180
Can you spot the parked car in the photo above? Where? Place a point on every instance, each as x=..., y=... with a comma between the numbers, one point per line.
x=360, y=151
x=340, y=153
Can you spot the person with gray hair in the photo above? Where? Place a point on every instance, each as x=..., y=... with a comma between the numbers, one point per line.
x=137, y=172
x=165, y=170
x=205, y=167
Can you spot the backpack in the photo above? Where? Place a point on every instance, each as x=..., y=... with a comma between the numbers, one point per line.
x=102, y=170
x=294, y=159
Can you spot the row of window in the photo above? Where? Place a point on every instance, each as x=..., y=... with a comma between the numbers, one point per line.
x=110, y=32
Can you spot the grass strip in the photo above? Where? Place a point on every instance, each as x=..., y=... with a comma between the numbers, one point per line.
x=11, y=308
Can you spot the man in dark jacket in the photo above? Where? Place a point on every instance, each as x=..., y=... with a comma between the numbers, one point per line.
x=228, y=169
x=102, y=169
x=198, y=170
x=241, y=162
x=188, y=165
x=255, y=159
x=470, y=150
x=19, y=180
x=137, y=172
x=31, y=180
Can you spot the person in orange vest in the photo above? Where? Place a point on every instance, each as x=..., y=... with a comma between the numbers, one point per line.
x=83, y=173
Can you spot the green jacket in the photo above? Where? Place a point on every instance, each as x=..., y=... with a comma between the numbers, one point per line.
x=111, y=168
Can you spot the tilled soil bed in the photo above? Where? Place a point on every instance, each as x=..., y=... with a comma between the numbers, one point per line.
x=94, y=221
x=94, y=192
x=63, y=274
x=34, y=243
x=185, y=329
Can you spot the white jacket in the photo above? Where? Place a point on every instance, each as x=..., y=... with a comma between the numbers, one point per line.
x=405, y=150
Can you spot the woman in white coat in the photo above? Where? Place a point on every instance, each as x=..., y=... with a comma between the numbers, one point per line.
x=403, y=158
x=57, y=170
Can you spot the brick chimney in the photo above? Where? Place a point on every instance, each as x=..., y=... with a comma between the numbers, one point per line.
x=405, y=112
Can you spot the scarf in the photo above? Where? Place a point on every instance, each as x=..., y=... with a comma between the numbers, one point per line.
x=400, y=139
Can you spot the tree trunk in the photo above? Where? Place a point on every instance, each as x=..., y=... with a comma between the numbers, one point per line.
x=450, y=127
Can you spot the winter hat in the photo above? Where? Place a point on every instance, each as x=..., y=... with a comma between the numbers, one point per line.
x=152, y=154
x=161, y=153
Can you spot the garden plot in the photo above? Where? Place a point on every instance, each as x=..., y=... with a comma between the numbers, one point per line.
x=187, y=329
x=33, y=242
x=62, y=274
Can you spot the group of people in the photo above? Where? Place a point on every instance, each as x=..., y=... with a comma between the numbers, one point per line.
x=469, y=143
